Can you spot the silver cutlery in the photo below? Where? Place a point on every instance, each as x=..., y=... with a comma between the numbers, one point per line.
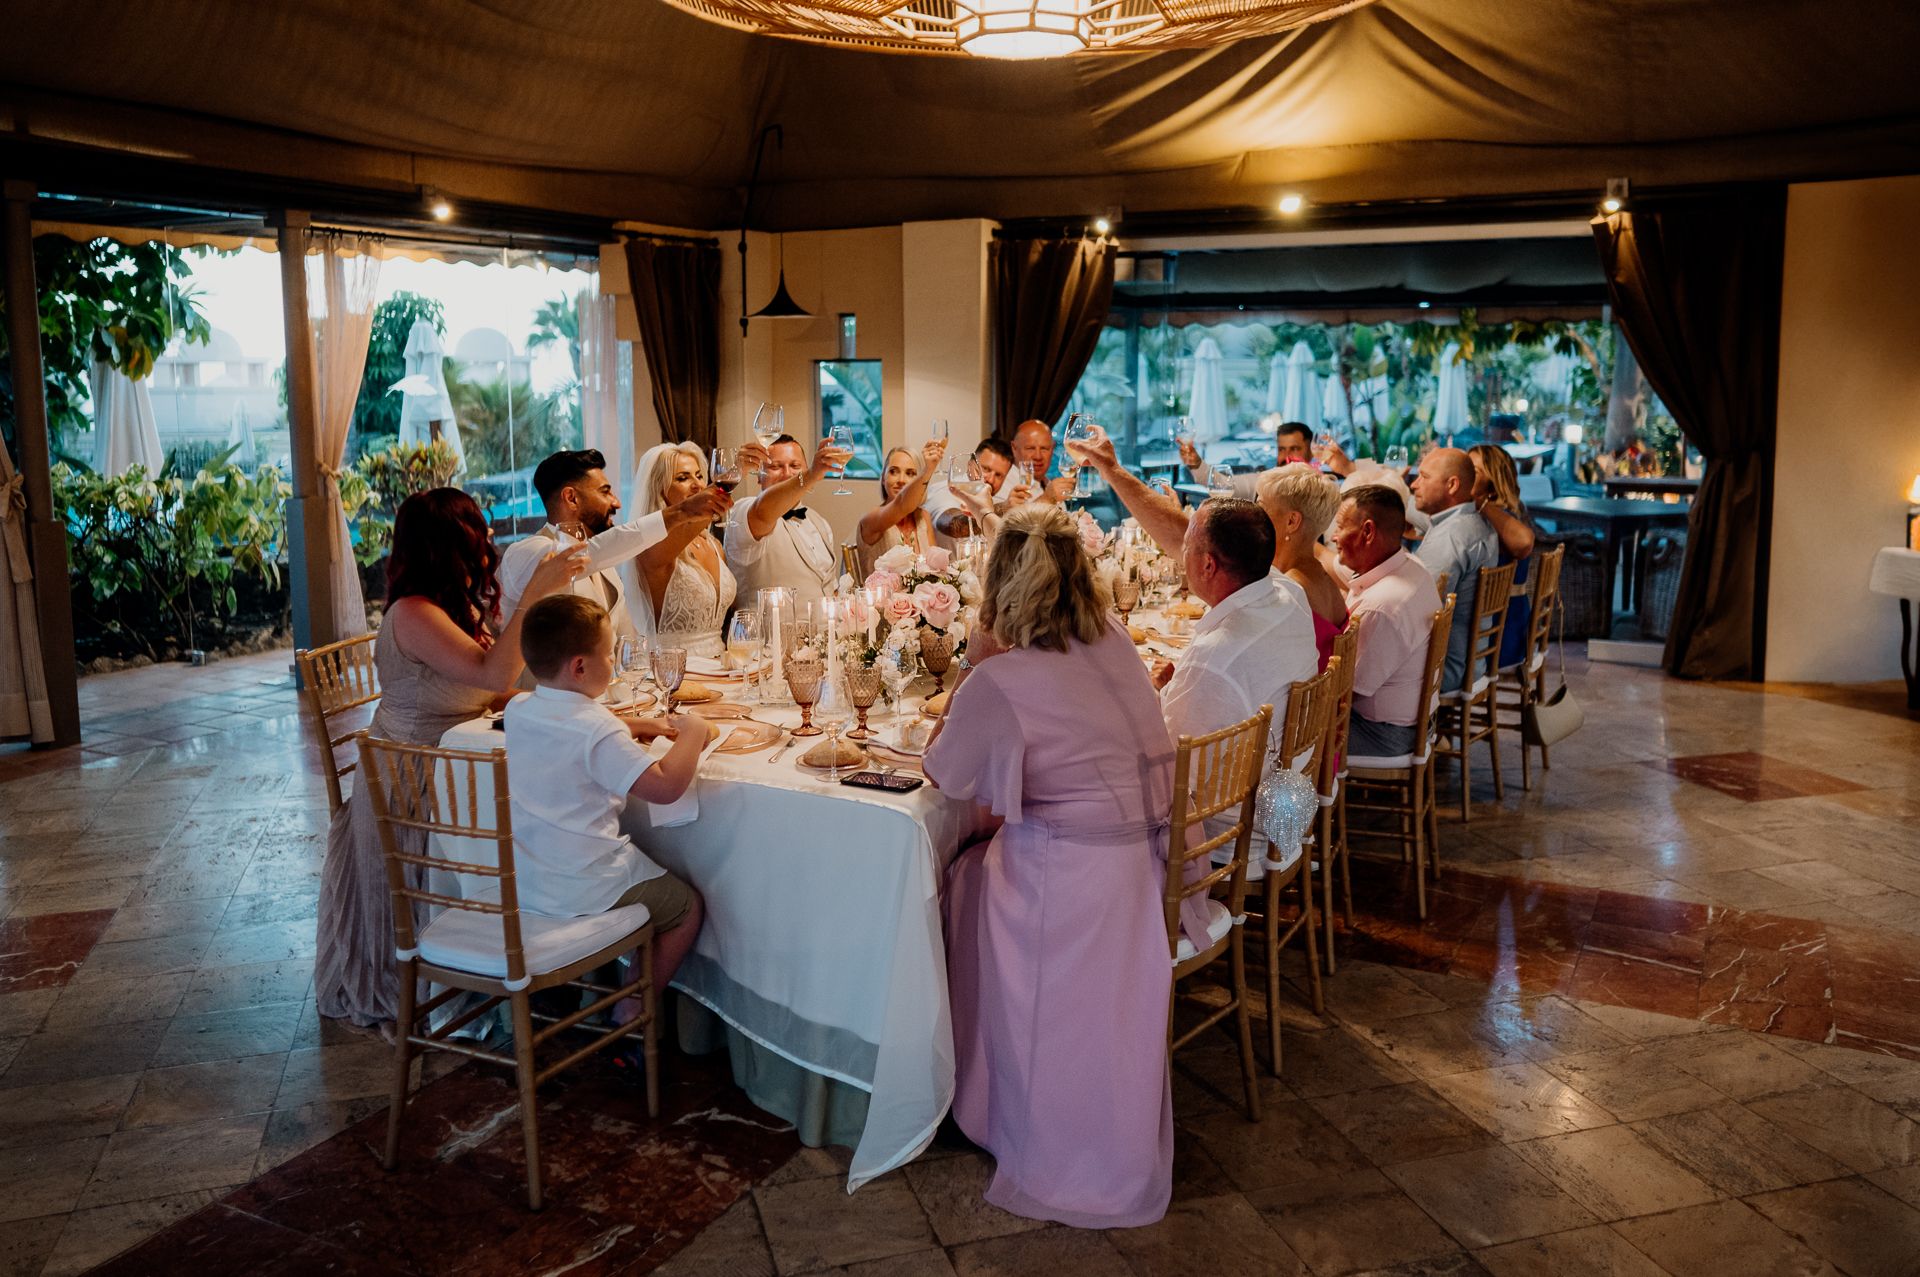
x=775, y=755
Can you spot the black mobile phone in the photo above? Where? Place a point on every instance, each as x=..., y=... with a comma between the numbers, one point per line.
x=895, y=783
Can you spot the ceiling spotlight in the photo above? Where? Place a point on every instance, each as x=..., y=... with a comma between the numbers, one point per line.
x=1616, y=194
x=437, y=204
x=1612, y=206
x=1426, y=305
x=1102, y=225
x=1290, y=203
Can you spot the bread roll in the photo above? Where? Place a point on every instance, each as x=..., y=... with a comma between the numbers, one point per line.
x=936, y=706
x=690, y=691
x=830, y=753
x=1137, y=634
x=1192, y=611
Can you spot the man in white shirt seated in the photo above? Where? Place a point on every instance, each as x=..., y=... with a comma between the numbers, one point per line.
x=1459, y=543
x=1254, y=643
x=574, y=488
x=1033, y=450
x=1293, y=442
x=1395, y=597
x=571, y=764
x=953, y=517
x=775, y=540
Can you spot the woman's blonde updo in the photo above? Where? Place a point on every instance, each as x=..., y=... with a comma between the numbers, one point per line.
x=1041, y=589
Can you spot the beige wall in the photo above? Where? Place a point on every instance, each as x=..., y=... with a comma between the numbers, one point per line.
x=944, y=282
x=1849, y=426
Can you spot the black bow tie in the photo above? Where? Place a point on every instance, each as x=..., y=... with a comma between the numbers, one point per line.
x=798, y=512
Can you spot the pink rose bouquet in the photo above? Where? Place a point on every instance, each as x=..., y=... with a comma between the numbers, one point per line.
x=938, y=602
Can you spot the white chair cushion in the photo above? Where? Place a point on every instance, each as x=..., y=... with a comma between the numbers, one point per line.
x=1218, y=922
x=476, y=942
x=1461, y=697
x=1395, y=762
x=1269, y=866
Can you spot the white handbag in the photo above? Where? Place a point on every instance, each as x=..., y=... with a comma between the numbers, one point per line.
x=1557, y=716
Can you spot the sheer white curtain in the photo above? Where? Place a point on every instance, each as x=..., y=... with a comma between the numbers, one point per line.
x=600, y=417
x=341, y=308
x=24, y=710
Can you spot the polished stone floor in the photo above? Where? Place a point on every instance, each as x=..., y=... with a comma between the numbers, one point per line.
x=1664, y=1018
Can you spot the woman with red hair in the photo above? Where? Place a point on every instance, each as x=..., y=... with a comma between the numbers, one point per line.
x=440, y=662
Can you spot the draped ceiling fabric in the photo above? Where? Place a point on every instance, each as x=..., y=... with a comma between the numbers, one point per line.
x=676, y=298
x=1049, y=299
x=1696, y=291
x=633, y=109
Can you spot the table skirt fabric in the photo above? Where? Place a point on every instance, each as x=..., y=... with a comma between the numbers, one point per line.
x=823, y=1111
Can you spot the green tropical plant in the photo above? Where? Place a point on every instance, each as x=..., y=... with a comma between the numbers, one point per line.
x=504, y=430
x=102, y=300
x=557, y=322
x=150, y=550
x=372, y=490
x=376, y=412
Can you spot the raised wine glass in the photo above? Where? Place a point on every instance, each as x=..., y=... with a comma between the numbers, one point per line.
x=769, y=423
x=1081, y=430
x=841, y=436
x=1220, y=481
x=724, y=466
x=573, y=535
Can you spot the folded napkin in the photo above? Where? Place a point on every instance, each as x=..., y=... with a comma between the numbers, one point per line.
x=707, y=665
x=685, y=809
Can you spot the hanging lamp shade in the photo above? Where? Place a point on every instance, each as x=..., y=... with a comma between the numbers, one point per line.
x=1017, y=28
x=782, y=306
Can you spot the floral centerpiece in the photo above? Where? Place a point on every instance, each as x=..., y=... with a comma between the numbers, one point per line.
x=914, y=595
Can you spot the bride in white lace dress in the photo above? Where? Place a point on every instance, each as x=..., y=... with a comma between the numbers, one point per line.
x=679, y=589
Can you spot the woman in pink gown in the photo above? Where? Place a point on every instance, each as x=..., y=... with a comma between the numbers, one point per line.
x=1057, y=953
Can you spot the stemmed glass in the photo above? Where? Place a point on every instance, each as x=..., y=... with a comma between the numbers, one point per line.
x=626, y=654
x=769, y=423
x=1081, y=429
x=804, y=675
x=1396, y=458
x=724, y=468
x=831, y=711
x=863, y=688
x=841, y=436
x=1183, y=431
x=1220, y=481
x=743, y=642
x=940, y=433
x=896, y=670
x=669, y=668
x=573, y=535
x=1126, y=596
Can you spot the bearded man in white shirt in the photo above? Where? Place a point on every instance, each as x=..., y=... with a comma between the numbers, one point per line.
x=775, y=540
x=574, y=488
x=1256, y=639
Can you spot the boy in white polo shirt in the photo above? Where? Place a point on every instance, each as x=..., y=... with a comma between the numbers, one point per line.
x=572, y=763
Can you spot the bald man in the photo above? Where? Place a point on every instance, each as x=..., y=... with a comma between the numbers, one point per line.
x=1459, y=543
x=1033, y=447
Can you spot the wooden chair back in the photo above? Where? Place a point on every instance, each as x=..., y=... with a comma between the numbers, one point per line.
x=1546, y=591
x=1213, y=774
x=1438, y=633
x=1440, y=584
x=1494, y=594
x=1346, y=651
x=1309, y=711
x=334, y=679
x=433, y=790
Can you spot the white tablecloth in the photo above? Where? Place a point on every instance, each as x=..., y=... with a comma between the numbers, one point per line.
x=1896, y=571
x=822, y=939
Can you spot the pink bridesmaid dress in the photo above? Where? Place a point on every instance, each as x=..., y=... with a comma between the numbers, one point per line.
x=1056, y=938
x=1324, y=633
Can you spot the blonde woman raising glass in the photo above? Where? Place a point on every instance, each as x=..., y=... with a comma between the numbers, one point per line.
x=901, y=518
x=1301, y=502
x=679, y=588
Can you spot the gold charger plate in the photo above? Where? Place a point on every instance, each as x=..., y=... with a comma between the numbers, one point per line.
x=748, y=735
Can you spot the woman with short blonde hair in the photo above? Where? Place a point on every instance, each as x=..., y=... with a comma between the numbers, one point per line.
x=1301, y=503
x=1060, y=1013
x=901, y=518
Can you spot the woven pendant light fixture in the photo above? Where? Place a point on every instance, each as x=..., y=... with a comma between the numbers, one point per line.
x=1017, y=28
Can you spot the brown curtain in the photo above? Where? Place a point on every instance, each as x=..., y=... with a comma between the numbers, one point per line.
x=1695, y=286
x=676, y=294
x=1050, y=299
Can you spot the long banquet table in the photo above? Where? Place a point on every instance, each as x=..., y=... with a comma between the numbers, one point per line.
x=822, y=941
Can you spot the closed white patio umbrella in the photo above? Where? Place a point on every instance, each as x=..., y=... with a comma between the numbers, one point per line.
x=125, y=433
x=1276, y=381
x=246, y=453
x=1450, y=407
x=1209, y=400
x=1302, y=400
x=425, y=388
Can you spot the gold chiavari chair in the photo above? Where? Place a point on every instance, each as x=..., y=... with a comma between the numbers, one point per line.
x=1213, y=774
x=1406, y=780
x=483, y=943
x=334, y=679
x=1332, y=771
x=1457, y=708
x=1526, y=679
x=1303, y=737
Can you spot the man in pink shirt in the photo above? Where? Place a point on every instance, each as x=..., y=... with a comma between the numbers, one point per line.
x=1397, y=597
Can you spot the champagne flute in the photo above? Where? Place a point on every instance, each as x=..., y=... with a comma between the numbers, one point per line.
x=724, y=465
x=940, y=432
x=743, y=643
x=1396, y=458
x=841, y=436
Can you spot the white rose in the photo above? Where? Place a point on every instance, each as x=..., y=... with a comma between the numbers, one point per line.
x=899, y=560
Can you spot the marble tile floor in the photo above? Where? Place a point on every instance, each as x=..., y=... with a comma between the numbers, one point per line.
x=158, y=1047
